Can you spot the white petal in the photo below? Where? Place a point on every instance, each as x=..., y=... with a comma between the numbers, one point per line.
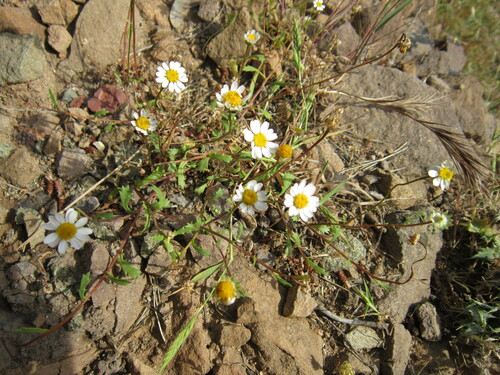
x=288, y=200
x=51, y=239
x=303, y=215
x=257, y=151
x=81, y=222
x=251, y=185
x=255, y=126
x=264, y=128
x=76, y=243
x=309, y=190
x=257, y=186
x=50, y=226
x=234, y=86
x=262, y=196
x=433, y=173
x=248, y=135
x=266, y=152
x=436, y=181
x=260, y=206
x=63, y=247
x=71, y=215
x=83, y=232
x=292, y=211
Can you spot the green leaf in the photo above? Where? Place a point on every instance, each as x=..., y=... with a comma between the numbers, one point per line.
x=203, y=164
x=178, y=342
x=296, y=238
x=147, y=216
x=53, y=99
x=29, y=330
x=222, y=157
x=333, y=192
x=488, y=254
x=288, y=179
x=201, y=189
x=125, y=197
x=158, y=237
x=118, y=281
x=189, y=228
x=101, y=113
x=200, y=250
x=266, y=114
x=162, y=201
x=206, y=272
x=84, y=282
x=155, y=175
x=109, y=127
x=282, y=280
x=317, y=268
x=250, y=68
x=127, y=268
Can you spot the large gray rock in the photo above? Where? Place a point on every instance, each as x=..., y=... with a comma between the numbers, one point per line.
x=97, y=40
x=22, y=58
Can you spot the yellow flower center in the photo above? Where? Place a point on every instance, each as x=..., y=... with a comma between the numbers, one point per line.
x=319, y=3
x=445, y=174
x=285, y=151
x=251, y=37
x=66, y=231
x=233, y=98
x=225, y=291
x=249, y=197
x=260, y=140
x=172, y=75
x=142, y=123
x=300, y=201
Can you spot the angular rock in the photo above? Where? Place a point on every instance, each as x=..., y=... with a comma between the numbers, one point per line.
x=45, y=123
x=363, y=338
x=234, y=335
x=22, y=58
x=128, y=305
x=398, y=353
x=350, y=246
x=232, y=363
x=59, y=39
x=73, y=163
x=430, y=323
x=346, y=39
x=402, y=196
x=53, y=145
x=154, y=10
x=298, y=304
x=57, y=12
x=179, y=12
x=19, y=21
x=21, y=167
x=6, y=131
x=99, y=259
x=208, y=10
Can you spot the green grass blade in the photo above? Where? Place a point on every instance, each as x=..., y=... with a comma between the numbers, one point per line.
x=54, y=99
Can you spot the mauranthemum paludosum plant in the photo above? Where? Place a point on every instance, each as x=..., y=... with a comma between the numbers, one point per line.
x=144, y=123
x=67, y=231
x=302, y=201
x=251, y=197
x=261, y=136
x=440, y=220
x=252, y=37
x=442, y=175
x=172, y=76
x=226, y=292
x=231, y=97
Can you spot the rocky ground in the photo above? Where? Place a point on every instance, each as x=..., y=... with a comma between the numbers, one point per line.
x=52, y=156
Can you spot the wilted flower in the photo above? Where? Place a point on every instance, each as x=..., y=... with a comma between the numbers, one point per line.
x=319, y=5
x=285, y=151
x=442, y=175
x=440, y=220
x=66, y=230
x=261, y=136
x=225, y=292
x=252, y=36
x=172, y=76
x=144, y=123
x=252, y=198
x=301, y=200
x=231, y=98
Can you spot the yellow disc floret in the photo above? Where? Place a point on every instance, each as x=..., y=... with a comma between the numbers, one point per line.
x=233, y=98
x=300, y=201
x=260, y=140
x=66, y=231
x=445, y=173
x=225, y=292
x=172, y=75
x=285, y=151
x=142, y=123
x=249, y=197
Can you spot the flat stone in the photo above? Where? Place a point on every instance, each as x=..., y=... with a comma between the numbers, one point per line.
x=363, y=338
x=19, y=21
x=298, y=304
x=234, y=335
x=57, y=12
x=128, y=304
x=73, y=163
x=398, y=354
x=22, y=59
x=21, y=167
x=53, y=145
x=350, y=246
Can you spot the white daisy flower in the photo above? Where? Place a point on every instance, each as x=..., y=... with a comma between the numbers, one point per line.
x=442, y=175
x=252, y=36
x=319, y=5
x=231, y=98
x=440, y=220
x=66, y=230
x=301, y=200
x=226, y=292
x=261, y=136
x=172, y=76
x=145, y=123
x=252, y=198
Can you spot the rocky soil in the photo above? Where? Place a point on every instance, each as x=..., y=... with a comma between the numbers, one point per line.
x=74, y=49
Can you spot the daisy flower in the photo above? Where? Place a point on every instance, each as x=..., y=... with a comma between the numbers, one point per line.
x=251, y=197
x=252, y=36
x=440, y=220
x=144, y=123
x=319, y=5
x=231, y=98
x=66, y=230
x=225, y=292
x=301, y=200
x=172, y=76
x=442, y=175
x=261, y=136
